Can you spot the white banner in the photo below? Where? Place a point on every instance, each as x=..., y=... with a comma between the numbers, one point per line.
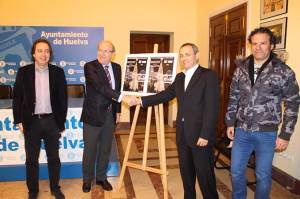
x=12, y=140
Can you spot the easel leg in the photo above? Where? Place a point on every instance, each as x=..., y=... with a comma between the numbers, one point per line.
x=132, y=130
x=158, y=132
x=147, y=134
x=163, y=150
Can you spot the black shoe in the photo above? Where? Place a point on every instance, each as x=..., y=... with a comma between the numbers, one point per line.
x=86, y=187
x=32, y=195
x=58, y=194
x=105, y=185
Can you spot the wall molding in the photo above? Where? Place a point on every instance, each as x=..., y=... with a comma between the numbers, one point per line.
x=289, y=182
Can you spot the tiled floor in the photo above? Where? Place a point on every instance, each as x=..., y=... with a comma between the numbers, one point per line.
x=138, y=184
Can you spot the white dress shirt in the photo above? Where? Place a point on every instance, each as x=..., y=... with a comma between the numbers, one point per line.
x=113, y=82
x=188, y=75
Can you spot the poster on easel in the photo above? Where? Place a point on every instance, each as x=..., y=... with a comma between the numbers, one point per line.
x=134, y=74
x=146, y=74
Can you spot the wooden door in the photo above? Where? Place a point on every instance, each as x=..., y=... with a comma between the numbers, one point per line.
x=144, y=43
x=227, y=40
x=217, y=57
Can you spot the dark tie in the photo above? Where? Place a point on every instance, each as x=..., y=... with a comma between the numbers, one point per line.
x=108, y=75
x=109, y=108
x=183, y=79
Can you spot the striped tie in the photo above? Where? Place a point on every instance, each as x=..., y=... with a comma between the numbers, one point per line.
x=108, y=75
x=109, y=108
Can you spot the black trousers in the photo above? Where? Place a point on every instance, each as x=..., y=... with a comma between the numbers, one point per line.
x=196, y=161
x=42, y=128
x=97, y=148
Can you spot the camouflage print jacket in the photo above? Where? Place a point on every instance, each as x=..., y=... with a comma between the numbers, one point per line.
x=259, y=108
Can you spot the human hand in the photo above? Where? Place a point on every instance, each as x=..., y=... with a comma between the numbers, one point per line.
x=230, y=132
x=137, y=101
x=130, y=100
x=202, y=142
x=281, y=144
x=20, y=126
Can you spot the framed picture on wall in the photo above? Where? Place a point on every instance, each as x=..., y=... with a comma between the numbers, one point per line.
x=278, y=27
x=282, y=54
x=270, y=8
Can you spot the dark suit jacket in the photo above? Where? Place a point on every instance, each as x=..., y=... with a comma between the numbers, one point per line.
x=24, y=95
x=99, y=94
x=198, y=105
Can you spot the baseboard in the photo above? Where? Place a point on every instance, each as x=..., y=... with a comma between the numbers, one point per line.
x=290, y=183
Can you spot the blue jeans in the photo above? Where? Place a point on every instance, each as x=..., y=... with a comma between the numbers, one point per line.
x=263, y=144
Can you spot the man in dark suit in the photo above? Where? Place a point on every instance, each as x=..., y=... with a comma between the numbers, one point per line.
x=197, y=93
x=40, y=105
x=100, y=113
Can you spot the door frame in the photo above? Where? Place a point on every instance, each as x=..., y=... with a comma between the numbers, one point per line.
x=172, y=106
x=229, y=7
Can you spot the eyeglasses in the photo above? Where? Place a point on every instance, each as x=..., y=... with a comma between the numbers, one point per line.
x=105, y=51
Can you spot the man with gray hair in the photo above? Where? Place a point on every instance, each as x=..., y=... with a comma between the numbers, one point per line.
x=100, y=113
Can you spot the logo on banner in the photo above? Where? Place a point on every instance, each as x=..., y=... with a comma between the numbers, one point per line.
x=81, y=63
x=71, y=71
x=62, y=63
x=24, y=63
x=82, y=79
x=3, y=80
x=11, y=71
x=2, y=63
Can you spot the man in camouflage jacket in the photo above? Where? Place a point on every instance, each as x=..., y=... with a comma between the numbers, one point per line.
x=260, y=84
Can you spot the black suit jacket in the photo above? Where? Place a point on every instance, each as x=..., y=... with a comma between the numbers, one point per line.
x=198, y=105
x=99, y=94
x=24, y=95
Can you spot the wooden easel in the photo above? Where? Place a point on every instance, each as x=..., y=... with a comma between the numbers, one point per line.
x=160, y=129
